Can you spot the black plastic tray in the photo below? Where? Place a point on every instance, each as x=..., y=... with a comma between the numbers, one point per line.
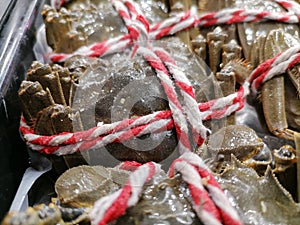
x=18, y=24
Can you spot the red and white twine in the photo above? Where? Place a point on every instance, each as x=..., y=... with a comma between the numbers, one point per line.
x=275, y=66
x=227, y=212
x=68, y=143
x=180, y=121
x=113, y=206
x=203, y=205
x=190, y=105
x=209, y=201
x=180, y=22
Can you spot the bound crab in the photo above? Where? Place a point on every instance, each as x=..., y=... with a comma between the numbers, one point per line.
x=257, y=42
x=105, y=83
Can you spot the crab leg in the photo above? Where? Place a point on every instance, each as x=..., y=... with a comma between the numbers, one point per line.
x=215, y=40
x=275, y=90
x=273, y=93
x=199, y=46
x=48, y=79
x=32, y=93
x=294, y=75
x=227, y=81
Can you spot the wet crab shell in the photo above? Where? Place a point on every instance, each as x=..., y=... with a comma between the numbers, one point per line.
x=238, y=140
x=81, y=186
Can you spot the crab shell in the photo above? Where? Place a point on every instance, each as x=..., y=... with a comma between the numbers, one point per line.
x=238, y=140
x=81, y=186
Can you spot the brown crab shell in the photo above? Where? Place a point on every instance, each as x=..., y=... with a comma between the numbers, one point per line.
x=239, y=140
x=260, y=161
x=81, y=186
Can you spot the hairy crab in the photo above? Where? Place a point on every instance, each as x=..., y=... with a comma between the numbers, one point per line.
x=85, y=184
x=93, y=91
x=243, y=143
x=167, y=200
x=40, y=214
x=51, y=214
x=259, y=42
x=76, y=191
x=80, y=23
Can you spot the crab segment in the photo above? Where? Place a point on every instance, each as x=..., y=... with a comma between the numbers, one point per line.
x=48, y=79
x=43, y=96
x=32, y=93
x=199, y=46
x=215, y=40
x=66, y=40
x=231, y=51
x=56, y=119
x=284, y=116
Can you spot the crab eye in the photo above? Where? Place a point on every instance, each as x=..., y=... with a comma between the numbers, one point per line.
x=284, y=157
x=284, y=152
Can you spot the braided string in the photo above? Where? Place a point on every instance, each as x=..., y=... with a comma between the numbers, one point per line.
x=203, y=205
x=227, y=212
x=208, y=200
x=179, y=118
x=67, y=143
x=274, y=66
x=217, y=209
x=113, y=206
x=193, y=114
x=181, y=22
